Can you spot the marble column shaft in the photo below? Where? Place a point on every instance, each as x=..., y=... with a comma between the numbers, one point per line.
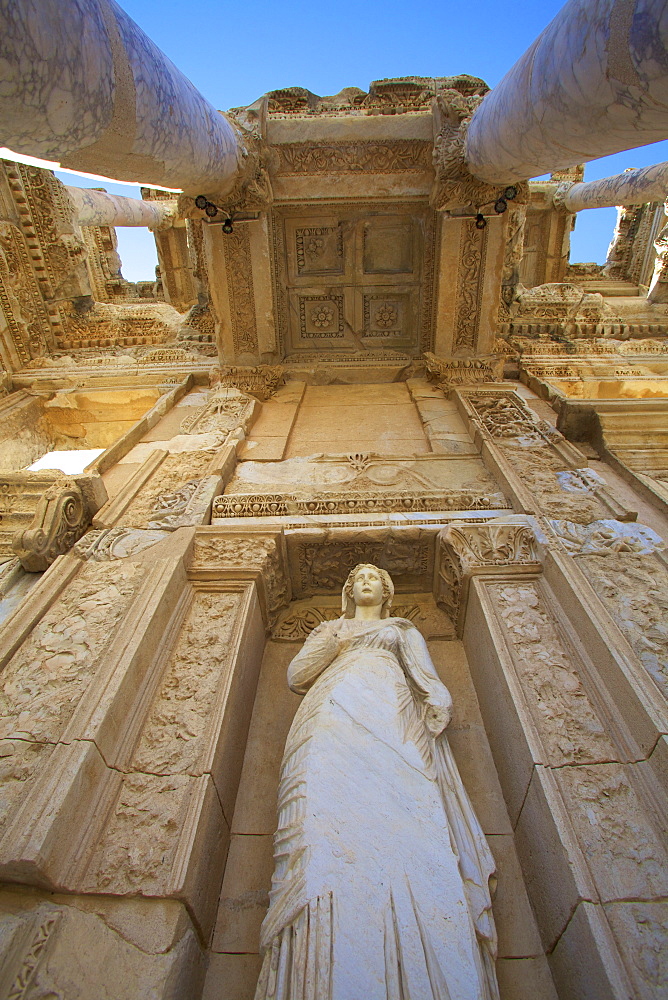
x=633, y=187
x=594, y=82
x=658, y=289
x=96, y=208
x=84, y=86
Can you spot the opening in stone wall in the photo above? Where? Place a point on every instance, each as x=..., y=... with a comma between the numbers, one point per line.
x=136, y=245
x=592, y=235
x=72, y=461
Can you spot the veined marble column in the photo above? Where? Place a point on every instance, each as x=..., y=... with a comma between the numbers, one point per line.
x=633, y=187
x=658, y=289
x=593, y=83
x=83, y=85
x=97, y=208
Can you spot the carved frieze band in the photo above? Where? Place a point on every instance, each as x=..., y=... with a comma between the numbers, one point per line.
x=465, y=550
x=280, y=504
x=391, y=157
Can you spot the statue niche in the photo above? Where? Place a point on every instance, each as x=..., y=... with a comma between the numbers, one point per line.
x=381, y=882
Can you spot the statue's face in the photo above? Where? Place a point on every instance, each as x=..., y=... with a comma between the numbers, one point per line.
x=368, y=588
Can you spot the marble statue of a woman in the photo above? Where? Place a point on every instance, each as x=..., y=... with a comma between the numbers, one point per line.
x=381, y=880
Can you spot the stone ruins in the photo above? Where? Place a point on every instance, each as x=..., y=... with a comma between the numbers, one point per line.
x=365, y=344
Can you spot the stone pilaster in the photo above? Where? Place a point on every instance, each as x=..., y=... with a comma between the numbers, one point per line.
x=122, y=783
x=573, y=753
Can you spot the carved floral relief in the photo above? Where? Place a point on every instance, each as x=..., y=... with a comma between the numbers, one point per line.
x=44, y=681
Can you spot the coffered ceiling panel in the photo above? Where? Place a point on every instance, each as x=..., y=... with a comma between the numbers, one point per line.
x=353, y=278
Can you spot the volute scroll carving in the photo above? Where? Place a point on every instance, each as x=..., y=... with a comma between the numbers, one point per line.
x=61, y=518
x=503, y=547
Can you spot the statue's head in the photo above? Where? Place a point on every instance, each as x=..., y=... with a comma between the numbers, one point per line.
x=368, y=574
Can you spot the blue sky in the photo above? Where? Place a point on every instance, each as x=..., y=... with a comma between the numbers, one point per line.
x=235, y=52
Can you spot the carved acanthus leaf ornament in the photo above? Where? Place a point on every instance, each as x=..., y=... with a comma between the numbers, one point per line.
x=260, y=381
x=299, y=620
x=249, y=553
x=498, y=547
x=455, y=188
x=449, y=372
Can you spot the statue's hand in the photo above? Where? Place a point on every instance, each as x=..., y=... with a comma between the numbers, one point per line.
x=437, y=717
x=342, y=641
x=329, y=640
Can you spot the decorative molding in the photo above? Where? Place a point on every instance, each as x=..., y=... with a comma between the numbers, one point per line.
x=658, y=279
x=571, y=728
x=564, y=309
x=601, y=538
x=402, y=95
x=632, y=583
x=384, y=315
x=431, y=254
x=595, y=348
x=352, y=502
x=390, y=157
x=165, y=356
x=344, y=289
x=321, y=317
x=545, y=463
x=319, y=250
x=47, y=222
x=514, y=225
x=466, y=550
x=104, y=264
x=454, y=187
x=503, y=415
x=108, y=324
x=20, y=298
x=36, y=938
x=370, y=358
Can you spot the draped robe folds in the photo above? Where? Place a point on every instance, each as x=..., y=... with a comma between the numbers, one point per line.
x=381, y=882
